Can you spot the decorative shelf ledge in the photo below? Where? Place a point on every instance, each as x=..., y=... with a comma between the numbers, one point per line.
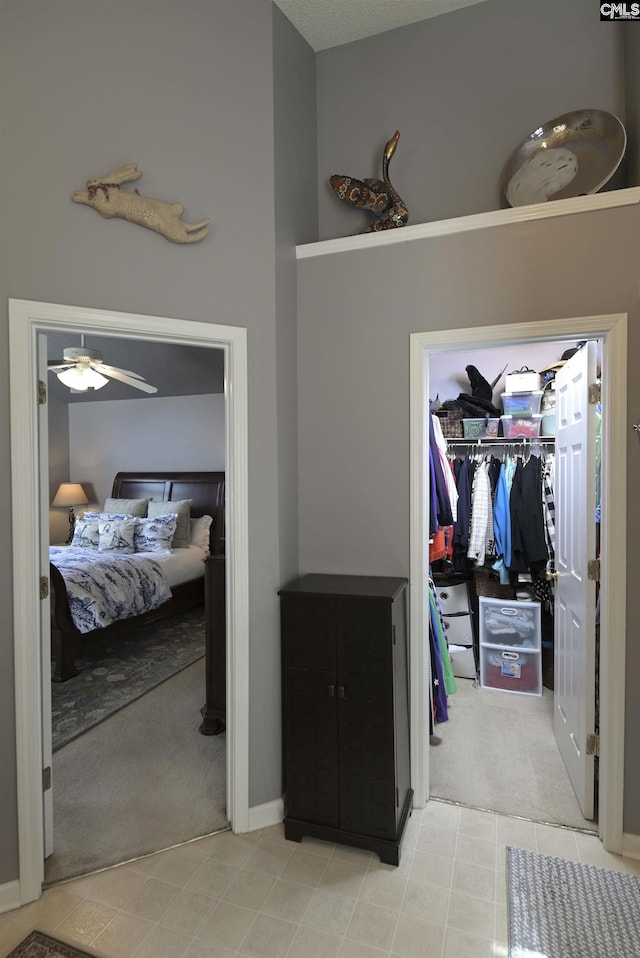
x=462, y=224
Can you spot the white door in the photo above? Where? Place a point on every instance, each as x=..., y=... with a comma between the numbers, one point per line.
x=45, y=617
x=575, y=598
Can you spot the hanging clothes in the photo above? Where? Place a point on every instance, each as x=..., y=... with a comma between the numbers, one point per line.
x=462, y=473
x=481, y=530
x=502, y=527
x=528, y=544
x=440, y=504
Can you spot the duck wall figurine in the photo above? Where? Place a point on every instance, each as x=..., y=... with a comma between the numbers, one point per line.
x=377, y=196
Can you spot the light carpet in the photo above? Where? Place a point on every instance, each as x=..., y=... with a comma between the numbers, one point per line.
x=116, y=671
x=498, y=752
x=142, y=780
x=566, y=909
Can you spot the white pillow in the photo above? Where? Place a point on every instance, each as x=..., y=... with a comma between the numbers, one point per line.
x=156, y=534
x=200, y=532
x=86, y=534
x=117, y=535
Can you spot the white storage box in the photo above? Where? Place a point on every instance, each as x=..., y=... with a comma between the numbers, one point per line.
x=509, y=671
x=507, y=623
x=522, y=381
x=462, y=662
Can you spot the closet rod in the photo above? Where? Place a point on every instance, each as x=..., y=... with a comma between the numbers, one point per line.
x=502, y=441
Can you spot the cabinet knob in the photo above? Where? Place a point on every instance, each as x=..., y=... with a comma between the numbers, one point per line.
x=332, y=691
x=341, y=691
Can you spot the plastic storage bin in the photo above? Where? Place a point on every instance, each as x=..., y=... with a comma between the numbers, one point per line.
x=510, y=646
x=521, y=427
x=480, y=428
x=522, y=404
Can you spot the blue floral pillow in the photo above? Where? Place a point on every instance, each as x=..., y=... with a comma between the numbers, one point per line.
x=86, y=534
x=156, y=534
x=117, y=535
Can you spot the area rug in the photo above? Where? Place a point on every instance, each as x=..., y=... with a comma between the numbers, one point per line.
x=39, y=945
x=566, y=909
x=121, y=670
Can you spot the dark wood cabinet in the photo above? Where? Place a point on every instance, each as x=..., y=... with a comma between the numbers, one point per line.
x=214, y=710
x=345, y=711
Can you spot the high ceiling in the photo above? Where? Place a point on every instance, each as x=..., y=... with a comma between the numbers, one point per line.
x=329, y=23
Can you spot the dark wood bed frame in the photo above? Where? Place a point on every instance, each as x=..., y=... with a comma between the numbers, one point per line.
x=206, y=490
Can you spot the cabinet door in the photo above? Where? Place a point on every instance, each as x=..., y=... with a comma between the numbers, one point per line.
x=310, y=715
x=366, y=717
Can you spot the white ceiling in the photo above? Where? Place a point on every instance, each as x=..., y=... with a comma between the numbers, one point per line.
x=329, y=23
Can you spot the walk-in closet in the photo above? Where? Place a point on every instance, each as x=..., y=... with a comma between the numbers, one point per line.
x=514, y=502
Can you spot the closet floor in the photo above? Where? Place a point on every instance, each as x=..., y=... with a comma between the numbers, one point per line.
x=498, y=752
x=259, y=896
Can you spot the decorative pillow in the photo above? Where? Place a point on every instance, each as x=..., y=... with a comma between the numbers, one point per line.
x=117, y=535
x=155, y=535
x=121, y=516
x=131, y=507
x=86, y=534
x=182, y=507
x=200, y=535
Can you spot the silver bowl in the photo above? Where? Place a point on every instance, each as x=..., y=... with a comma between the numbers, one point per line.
x=575, y=154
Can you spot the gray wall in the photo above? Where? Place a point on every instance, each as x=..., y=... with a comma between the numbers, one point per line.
x=354, y=379
x=463, y=89
x=632, y=108
x=186, y=91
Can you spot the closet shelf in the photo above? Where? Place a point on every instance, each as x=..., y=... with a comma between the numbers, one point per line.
x=502, y=441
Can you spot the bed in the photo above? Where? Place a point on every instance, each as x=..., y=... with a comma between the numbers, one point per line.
x=206, y=491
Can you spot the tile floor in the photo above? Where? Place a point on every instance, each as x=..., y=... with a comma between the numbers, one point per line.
x=259, y=896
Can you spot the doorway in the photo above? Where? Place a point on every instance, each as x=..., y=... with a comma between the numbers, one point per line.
x=499, y=751
x=612, y=331
x=26, y=321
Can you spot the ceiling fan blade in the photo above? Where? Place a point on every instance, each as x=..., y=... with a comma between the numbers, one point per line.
x=61, y=367
x=103, y=368
x=116, y=374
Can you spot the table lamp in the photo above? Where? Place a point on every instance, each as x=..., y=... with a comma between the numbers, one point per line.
x=70, y=494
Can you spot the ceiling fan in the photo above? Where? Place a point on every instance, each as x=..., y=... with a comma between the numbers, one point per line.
x=82, y=368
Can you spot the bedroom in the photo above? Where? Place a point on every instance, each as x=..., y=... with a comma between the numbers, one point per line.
x=93, y=436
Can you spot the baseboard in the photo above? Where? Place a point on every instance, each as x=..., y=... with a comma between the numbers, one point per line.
x=262, y=816
x=631, y=846
x=9, y=896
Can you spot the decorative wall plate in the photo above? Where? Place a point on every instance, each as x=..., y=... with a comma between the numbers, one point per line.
x=575, y=154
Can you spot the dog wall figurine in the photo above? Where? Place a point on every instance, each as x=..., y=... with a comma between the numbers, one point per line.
x=105, y=196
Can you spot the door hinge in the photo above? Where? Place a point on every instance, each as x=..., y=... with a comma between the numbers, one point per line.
x=42, y=393
x=46, y=778
x=593, y=570
x=44, y=587
x=595, y=394
x=593, y=744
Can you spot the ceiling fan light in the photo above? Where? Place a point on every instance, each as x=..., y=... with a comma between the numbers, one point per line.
x=82, y=378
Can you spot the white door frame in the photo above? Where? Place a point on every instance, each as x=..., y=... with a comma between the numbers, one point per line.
x=26, y=320
x=612, y=330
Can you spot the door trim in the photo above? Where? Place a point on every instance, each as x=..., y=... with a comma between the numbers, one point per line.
x=612, y=330
x=26, y=320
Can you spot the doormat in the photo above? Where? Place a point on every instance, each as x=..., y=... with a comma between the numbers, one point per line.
x=117, y=672
x=566, y=909
x=39, y=945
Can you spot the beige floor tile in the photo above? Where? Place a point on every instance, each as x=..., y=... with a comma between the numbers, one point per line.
x=288, y=901
x=147, y=865
x=204, y=949
x=188, y=911
x=478, y=824
x=383, y=888
x=227, y=925
x=476, y=851
x=304, y=869
x=314, y=846
x=329, y=913
x=592, y=851
x=500, y=931
x=114, y=887
x=372, y=925
x=474, y=880
x=270, y=834
x=269, y=858
x=213, y=878
x=459, y=944
x=152, y=900
x=442, y=813
x=428, y=902
x=311, y=943
x=517, y=832
x=179, y=866
x=353, y=856
x=355, y=949
x=122, y=936
x=163, y=943
x=437, y=840
x=472, y=915
x=229, y=848
x=10, y=938
x=249, y=889
x=415, y=938
x=268, y=938
x=560, y=842
x=87, y=921
x=431, y=869
x=53, y=906
x=339, y=878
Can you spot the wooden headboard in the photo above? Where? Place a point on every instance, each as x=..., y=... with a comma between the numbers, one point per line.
x=205, y=489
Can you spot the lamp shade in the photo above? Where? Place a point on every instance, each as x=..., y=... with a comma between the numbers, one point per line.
x=70, y=494
x=82, y=378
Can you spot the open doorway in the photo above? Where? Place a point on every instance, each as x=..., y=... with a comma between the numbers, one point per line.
x=28, y=320
x=130, y=773
x=612, y=331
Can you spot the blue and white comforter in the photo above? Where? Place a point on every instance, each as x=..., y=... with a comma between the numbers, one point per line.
x=105, y=588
